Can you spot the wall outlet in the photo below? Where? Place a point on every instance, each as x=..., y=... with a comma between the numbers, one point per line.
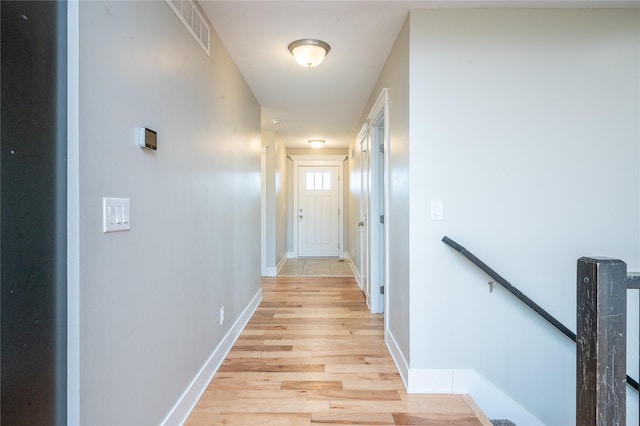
x=222, y=315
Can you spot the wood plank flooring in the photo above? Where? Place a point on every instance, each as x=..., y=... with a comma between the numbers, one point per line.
x=312, y=354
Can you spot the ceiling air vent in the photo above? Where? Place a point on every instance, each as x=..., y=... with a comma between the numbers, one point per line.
x=193, y=20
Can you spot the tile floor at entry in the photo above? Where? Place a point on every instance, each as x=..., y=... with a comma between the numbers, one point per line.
x=317, y=267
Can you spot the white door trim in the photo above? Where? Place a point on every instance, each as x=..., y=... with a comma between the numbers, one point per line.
x=378, y=238
x=319, y=160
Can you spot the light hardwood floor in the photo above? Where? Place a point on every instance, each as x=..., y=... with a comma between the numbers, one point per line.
x=313, y=354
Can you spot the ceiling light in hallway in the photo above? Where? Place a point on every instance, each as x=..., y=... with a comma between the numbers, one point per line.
x=316, y=143
x=309, y=52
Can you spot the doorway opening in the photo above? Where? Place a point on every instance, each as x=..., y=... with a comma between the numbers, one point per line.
x=318, y=206
x=317, y=213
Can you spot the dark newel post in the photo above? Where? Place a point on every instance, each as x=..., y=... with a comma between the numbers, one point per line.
x=601, y=342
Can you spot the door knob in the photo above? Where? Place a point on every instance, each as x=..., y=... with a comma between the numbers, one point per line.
x=360, y=223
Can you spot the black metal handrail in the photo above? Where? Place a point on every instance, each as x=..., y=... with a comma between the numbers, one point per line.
x=520, y=295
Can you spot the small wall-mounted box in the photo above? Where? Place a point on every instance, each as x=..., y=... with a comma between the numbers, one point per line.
x=148, y=139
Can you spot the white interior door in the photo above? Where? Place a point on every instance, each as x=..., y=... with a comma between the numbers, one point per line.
x=378, y=209
x=364, y=219
x=318, y=212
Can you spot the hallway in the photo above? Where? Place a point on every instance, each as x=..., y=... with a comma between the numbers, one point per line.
x=313, y=354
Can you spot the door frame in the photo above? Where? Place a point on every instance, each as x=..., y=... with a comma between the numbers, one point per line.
x=378, y=251
x=363, y=146
x=319, y=161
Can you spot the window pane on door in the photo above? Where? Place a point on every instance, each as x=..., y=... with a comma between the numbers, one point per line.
x=318, y=181
x=326, y=181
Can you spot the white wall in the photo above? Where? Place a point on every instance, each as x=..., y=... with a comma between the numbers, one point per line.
x=525, y=124
x=150, y=297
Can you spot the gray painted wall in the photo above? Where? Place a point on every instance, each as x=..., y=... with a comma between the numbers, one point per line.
x=281, y=200
x=276, y=183
x=395, y=77
x=150, y=298
x=525, y=124
x=269, y=140
x=353, y=202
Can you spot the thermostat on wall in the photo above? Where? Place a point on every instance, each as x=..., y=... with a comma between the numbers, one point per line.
x=148, y=139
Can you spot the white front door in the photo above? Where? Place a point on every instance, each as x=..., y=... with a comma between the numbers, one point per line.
x=318, y=214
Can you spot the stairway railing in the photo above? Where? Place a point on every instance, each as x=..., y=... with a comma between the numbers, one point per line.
x=513, y=290
x=601, y=339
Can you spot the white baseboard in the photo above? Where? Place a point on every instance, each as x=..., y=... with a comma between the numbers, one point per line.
x=491, y=399
x=398, y=357
x=281, y=263
x=356, y=274
x=272, y=271
x=189, y=398
x=291, y=255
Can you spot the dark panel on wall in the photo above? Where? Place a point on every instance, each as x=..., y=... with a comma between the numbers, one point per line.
x=33, y=213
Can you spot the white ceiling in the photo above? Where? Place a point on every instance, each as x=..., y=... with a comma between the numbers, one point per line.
x=327, y=101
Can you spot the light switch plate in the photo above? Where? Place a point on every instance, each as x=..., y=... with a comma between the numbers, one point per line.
x=116, y=214
x=437, y=210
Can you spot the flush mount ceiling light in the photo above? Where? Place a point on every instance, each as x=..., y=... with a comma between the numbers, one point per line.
x=316, y=143
x=309, y=52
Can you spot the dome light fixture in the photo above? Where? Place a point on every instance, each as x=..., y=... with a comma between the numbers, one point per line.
x=309, y=52
x=316, y=143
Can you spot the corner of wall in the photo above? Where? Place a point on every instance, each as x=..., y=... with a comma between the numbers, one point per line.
x=280, y=265
x=398, y=358
x=489, y=397
x=73, y=214
x=355, y=271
